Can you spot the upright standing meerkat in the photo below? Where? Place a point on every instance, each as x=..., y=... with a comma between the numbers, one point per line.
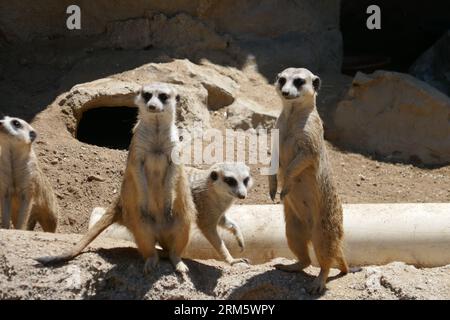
x=214, y=191
x=25, y=193
x=312, y=208
x=155, y=201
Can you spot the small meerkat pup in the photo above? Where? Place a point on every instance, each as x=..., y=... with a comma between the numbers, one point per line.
x=155, y=201
x=214, y=191
x=25, y=193
x=312, y=208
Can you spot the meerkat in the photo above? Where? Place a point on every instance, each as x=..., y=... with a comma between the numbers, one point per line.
x=155, y=202
x=26, y=196
x=214, y=191
x=312, y=208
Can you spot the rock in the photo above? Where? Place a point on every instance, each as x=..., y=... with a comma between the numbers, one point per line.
x=218, y=97
x=95, y=177
x=245, y=114
x=334, y=88
x=433, y=66
x=395, y=115
x=279, y=34
x=130, y=34
x=202, y=87
x=184, y=34
x=373, y=277
x=103, y=92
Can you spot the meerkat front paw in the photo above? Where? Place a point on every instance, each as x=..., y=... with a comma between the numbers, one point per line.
x=241, y=244
x=273, y=194
x=284, y=193
x=273, y=186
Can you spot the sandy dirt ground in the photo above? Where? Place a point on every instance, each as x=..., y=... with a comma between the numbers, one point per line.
x=112, y=269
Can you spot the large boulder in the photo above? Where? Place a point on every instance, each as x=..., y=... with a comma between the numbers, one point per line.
x=250, y=100
x=433, y=66
x=278, y=34
x=395, y=115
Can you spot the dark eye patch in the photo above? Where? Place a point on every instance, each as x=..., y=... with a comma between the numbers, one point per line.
x=298, y=82
x=230, y=181
x=147, y=96
x=163, y=97
x=16, y=124
x=282, y=81
x=246, y=180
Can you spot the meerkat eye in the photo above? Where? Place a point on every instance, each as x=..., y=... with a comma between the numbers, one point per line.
x=298, y=82
x=282, y=81
x=230, y=181
x=16, y=124
x=246, y=180
x=163, y=97
x=146, y=96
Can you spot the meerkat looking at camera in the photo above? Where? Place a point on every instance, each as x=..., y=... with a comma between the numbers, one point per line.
x=312, y=208
x=214, y=191
x=155, y=201
x=26, y=196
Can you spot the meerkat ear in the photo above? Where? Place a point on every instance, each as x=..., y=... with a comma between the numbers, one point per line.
x=214, y=175
x=177, y=98
x=316, y=83
x=276, y=79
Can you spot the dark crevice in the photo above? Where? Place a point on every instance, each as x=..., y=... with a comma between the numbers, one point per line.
x=408, y=28
x=108, y=127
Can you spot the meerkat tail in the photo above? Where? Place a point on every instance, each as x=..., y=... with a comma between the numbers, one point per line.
x=111, y=216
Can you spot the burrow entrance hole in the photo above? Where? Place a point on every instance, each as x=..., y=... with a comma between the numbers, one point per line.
x=109, y=127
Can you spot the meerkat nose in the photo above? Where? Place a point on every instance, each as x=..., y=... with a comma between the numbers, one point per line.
x=285, y=93
x=241, y=196
x=33, y=135
x=151, y=107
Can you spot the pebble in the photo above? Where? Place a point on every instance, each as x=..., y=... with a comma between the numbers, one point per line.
x=95, y=178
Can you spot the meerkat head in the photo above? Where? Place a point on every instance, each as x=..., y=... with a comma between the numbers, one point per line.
x=231, y=178
x=18, y=130
x=297, y=84
x=157, y=98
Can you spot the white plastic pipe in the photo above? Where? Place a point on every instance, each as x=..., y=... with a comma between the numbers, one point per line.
x=375, y=234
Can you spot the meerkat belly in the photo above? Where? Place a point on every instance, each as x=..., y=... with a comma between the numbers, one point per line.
x=287, y=154
x=305, y=194
x=156, y=169
x=15, y=175
x=6, y=177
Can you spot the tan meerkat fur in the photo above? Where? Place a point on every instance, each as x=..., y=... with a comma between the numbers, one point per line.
x=26, y=196
x=214, y=191
x=155, y=202
x=213, y=196
x=312, y=208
